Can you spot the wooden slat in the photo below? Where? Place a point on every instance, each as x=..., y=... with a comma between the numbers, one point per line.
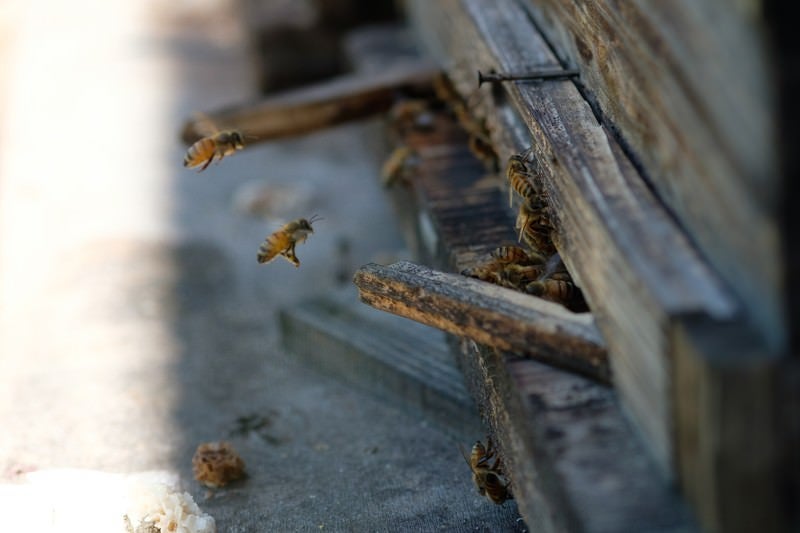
x=490, y=315
x=395, y=359
x=688, y=84
x=574, y=461
x=730, y=436
x=300, y=111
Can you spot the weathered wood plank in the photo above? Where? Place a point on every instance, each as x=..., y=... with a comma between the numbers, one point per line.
x=395, y=359
x=342, y=99
x=688, y=85
x=488, y=314
x=725, y=397
x=575, y=463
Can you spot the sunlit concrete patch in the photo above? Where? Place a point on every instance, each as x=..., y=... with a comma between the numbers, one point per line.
x=104, y=359
x=89, y=501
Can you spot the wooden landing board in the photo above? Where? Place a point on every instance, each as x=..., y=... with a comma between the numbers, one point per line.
x=490, y=315
x=397, y=360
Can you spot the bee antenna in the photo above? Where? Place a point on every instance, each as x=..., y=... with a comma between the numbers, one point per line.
x=315, y=218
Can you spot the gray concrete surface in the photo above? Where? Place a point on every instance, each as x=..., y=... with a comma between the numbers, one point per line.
x=135, y=322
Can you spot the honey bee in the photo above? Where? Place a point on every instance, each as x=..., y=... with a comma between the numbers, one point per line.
x=215, y=146
x=490, y=272
x=534, y=226
x=412, y=113
x=509, y=266
x=515, y=254
x=518, y=178
x=479, y=141
x=397, y=164
x=444, y=90
x=518, y=276
x=553, y=289
x=489, y=479
x=481, y=147
x=283, y=241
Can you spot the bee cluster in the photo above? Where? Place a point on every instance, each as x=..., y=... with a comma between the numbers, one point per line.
x=487, y=475
x=536, y=268
x=533, y=266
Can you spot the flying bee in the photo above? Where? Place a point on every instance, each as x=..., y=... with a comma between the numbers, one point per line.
x=489, y=479
x=283, y=241
x=216, y=146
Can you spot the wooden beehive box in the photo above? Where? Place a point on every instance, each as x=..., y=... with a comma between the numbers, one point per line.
x=661, y=166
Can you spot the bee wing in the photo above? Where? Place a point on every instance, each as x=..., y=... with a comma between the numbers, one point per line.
x=204, y=125
x=464, y=455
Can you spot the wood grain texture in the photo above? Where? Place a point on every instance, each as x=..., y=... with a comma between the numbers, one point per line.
x=731, y=440
x=300, y=111
x=490, y=315
x=575, y=463
x=689, y=85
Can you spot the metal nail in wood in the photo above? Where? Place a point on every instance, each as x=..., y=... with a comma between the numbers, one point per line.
x=537, y=75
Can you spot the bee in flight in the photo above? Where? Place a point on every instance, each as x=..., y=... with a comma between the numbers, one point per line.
x=283, y=241
x=216, y=146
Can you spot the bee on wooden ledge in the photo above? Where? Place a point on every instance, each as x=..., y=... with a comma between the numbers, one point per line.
x=489, y=478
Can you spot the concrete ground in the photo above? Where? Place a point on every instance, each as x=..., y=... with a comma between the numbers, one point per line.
x=135, y=322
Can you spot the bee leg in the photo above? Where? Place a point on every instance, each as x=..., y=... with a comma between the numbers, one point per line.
x=289, y=254
x=208, y=162
x=522, y=228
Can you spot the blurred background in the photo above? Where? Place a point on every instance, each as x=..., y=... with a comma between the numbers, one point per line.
x=135, y=322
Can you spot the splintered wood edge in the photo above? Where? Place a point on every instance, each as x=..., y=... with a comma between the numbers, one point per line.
x=489, y=315
x=314, y=107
